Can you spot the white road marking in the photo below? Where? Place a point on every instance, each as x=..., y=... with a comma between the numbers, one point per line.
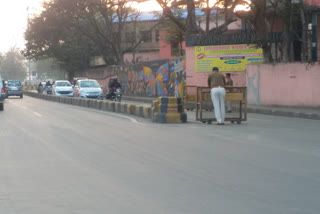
x=37, y=114
x=133, y=120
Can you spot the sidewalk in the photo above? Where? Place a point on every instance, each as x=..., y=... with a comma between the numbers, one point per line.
x=298, y=112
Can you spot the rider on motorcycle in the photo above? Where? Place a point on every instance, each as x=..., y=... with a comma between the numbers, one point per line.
x=113, y=85
x=48, y=84
x=40, y=88
x=48, y=87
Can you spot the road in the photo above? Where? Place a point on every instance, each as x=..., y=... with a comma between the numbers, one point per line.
x=56, y=158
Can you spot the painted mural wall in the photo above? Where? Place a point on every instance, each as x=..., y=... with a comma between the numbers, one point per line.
x=165, y=77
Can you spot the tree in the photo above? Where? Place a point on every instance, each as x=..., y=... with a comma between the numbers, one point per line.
x=53, y=34
x=174, y=35
x=256, y=17
x=259, y=17
x=13, y=65
x=190, y=26
x=48, y=69
x=72, y=31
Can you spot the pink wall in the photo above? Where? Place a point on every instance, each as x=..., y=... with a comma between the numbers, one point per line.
x=200, y=79
x=142, y=57
x=318, y=28
x=313, y=2
x=294, y=84
x=165, y=47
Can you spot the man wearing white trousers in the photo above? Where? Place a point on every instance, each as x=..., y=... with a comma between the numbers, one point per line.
x=216, y=82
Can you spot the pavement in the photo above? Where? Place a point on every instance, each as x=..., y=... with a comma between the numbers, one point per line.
x=58, y=158
x=286, y=111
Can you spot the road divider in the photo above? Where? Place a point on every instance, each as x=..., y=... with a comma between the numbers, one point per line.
x=164, y=110
x=168, y=110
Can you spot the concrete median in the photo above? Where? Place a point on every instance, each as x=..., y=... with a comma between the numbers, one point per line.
x=168, y=110
x=164, y=110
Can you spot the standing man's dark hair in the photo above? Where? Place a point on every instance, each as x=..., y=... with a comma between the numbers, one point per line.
x=215, y=69
x=228, y=75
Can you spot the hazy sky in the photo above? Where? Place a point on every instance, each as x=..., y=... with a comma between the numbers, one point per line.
x=14, y=16
x=13, y=21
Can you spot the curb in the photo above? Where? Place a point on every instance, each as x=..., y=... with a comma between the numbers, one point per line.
x=103, y=105
x=139, y=99
x=302, y=115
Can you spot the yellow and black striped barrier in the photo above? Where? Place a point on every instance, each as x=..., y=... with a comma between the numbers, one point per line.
x=168, y=110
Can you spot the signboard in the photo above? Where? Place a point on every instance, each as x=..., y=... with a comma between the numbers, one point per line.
x=226, y=57
x=178, y=67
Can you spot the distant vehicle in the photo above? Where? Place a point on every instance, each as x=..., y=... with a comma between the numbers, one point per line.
x=88, y=89
x=2, y=94
x=48, y=89
x=62, y=88
x=14, y=88
x=78, y=78
x=5, y=89
x=114, y=95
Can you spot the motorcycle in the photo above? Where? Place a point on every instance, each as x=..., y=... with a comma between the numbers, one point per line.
x=114, y=95
x=49, y=89
x=40, y=89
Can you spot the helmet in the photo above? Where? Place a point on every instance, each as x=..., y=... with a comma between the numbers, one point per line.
x=115, y=78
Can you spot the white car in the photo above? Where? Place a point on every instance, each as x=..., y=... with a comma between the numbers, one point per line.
x=62, y=88
x=88, y=89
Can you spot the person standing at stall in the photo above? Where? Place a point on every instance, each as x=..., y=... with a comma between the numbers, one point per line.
x=217, y=82
x=229, y=82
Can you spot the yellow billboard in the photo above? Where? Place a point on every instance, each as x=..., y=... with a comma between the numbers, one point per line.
x=226, y=57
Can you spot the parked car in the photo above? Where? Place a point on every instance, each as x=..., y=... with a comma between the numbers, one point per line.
x=62, y=88
x=88, y=89
x=2, y=94
x=14, y=88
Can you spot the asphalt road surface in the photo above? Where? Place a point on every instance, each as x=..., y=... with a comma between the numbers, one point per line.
x=56, y=158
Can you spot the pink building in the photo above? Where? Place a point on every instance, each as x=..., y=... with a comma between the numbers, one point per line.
x=313, y=2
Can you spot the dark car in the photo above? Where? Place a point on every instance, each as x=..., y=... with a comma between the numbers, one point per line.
x=14, y=88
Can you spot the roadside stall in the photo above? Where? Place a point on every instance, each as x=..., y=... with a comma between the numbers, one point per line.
x=199, y=98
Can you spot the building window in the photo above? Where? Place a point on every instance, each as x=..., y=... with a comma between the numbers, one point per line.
x=146, y=35
x=175, y=48
x=131, y=37
x=157, y=36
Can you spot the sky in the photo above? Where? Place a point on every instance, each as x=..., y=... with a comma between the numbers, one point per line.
x=14, y=16
x=13, y=21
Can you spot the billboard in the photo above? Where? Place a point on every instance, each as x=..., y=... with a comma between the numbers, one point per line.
x=226, y=57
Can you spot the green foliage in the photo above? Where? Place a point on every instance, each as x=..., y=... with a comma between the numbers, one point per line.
x=174, y=35
x=48, y=69
x=53, y=34
x=13, y=65
x=72, y=31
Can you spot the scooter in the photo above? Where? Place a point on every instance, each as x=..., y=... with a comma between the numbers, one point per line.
x=49, y=89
